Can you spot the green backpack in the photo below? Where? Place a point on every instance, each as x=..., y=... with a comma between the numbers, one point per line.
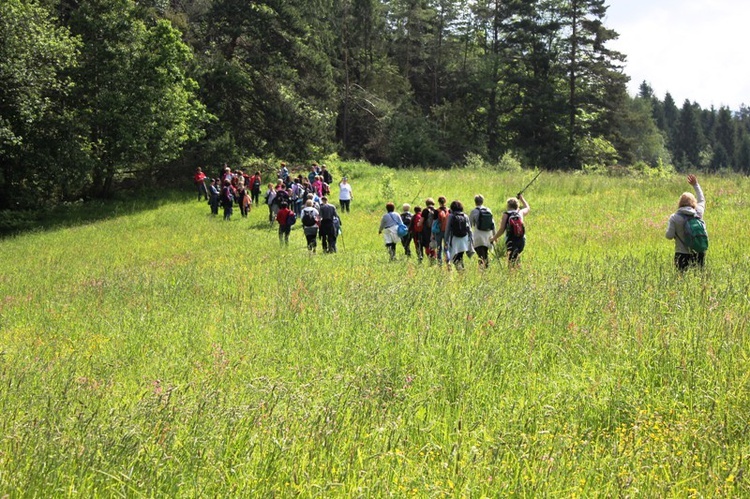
x=696, y=236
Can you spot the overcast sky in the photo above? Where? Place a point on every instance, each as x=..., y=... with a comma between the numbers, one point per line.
x=693, y=49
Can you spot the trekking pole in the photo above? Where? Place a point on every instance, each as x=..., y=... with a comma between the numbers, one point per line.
x=529, y=184
x=419, y=191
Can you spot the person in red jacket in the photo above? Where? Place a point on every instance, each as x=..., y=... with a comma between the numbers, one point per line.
x=199, y=179
x=283, y=217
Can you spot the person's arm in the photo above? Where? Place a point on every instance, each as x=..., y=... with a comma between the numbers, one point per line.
x=699, y=197
x=671, y=228
x=448, y=232
x=382, y=223
x=526, y=206
x=501, y=230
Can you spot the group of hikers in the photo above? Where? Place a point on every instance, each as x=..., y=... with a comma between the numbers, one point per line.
x=290, y=198
x=442, y=233
x=446, y=234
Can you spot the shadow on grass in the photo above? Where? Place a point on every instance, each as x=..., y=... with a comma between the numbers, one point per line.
x=14, y=223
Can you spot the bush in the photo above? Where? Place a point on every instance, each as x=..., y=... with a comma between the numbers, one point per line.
x=509, y=163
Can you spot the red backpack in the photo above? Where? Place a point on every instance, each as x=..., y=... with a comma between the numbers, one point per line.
x=417, y=223
x=514, y=228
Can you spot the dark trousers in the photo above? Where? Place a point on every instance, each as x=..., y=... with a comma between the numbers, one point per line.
x=312, y=241
x=406, y=241
x=483, y=255
x=255, y=195
x=684, y=261
x=515, y=246
x=202, y=191
x=328, y=235
x=284, y=234
x=345, y=205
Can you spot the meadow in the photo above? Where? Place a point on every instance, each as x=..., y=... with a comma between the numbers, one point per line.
x=160, y=352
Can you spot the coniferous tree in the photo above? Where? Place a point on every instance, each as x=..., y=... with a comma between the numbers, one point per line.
x=724, y=136
x=596, y=84
x=689, y=138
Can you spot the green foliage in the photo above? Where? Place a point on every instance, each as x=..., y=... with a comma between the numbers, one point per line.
x=387, y=191
x=33, y=56
x=597, y=152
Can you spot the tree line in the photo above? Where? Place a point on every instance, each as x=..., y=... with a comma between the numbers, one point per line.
x=95, y=90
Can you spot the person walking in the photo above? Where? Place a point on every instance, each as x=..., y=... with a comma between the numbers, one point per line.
x=513, y=227
x=328, y=230
x=283, y=217
x=200, y=183
x=438, y=231
x=227, y=199
x=214, y=196
x=255, y=183
x=688, y=207
x=345, y=195
x=406, y=218
x=270, y=196
x=427, y=241
x=310, y=219
x=389, y=228
x=458, y=235
x=483, y=228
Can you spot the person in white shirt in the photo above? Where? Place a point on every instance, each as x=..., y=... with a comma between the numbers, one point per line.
x=345, y=194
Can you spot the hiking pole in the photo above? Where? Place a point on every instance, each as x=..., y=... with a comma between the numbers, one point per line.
x=420, y=190
x=529, y=184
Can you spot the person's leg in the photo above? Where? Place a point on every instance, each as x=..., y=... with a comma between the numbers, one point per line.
x=458, y=260
x=483, y=256
x=681, y=261
x=439, y=250
x=391, y=250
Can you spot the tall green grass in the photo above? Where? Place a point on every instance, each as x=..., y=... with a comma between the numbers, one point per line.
x=168, y=353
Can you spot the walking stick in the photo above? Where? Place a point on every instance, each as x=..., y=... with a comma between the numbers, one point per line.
x=529, y=184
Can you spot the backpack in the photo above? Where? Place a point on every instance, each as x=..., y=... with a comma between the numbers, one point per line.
x=428, y=220
x=406, y=218
x=696, y=237
x=515, y=228
x=484, y=221
x=418, y=224
x=256, y=183
x=326, y=189
x=308, y=218
x=227, y=195
x=291, y=219
x=459, y=225
x=443, y=218
x=401, y=229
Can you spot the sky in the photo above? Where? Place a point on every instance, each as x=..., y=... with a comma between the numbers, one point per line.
x=693, y=49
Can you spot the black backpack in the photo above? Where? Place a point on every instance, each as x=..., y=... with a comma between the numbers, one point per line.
x=459, y=225
x=227, y=196
x=484, y=221
x=406, y=218
x=308, y=218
